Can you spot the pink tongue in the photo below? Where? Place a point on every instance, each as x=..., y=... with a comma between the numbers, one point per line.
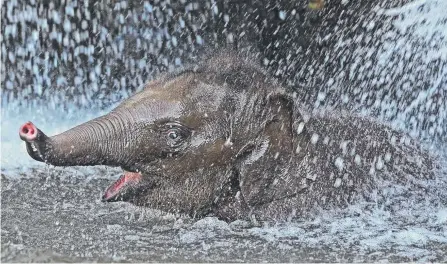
x=129, y=178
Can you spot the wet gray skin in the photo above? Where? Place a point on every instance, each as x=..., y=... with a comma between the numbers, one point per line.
x=223, y=139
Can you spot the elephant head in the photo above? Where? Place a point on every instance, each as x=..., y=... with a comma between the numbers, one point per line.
x=180, y=138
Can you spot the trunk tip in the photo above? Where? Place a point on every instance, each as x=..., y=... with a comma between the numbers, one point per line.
x=28, y=131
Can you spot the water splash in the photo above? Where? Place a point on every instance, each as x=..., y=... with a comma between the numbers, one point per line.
x=61, y=206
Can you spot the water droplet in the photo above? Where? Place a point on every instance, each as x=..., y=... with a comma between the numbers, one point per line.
x=300, y=128
x=314, y=138
x=337, y=182
x=339, y=163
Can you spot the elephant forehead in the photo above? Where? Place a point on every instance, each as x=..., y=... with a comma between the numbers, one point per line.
x=205, y=97
x=184, y=88
x=170, y=91
x=184, y=98
x=156, y=110
x=189, y=113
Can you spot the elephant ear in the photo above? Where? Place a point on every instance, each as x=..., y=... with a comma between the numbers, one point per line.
x=285, y=107
x=271, y=156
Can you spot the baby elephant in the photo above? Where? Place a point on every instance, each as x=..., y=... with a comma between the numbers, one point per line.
x=224, y=139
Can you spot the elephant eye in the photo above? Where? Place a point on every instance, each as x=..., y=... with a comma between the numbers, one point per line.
x=175, y=135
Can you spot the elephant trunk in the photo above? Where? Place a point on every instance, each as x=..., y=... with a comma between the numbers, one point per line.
x=101, y=141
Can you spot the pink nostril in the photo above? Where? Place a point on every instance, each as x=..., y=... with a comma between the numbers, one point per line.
x=28, y=129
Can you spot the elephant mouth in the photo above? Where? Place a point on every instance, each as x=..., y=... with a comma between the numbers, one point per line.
x=34, y=151
x=124, y=189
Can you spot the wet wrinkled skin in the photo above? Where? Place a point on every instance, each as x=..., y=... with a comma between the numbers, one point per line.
x=223, y=139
